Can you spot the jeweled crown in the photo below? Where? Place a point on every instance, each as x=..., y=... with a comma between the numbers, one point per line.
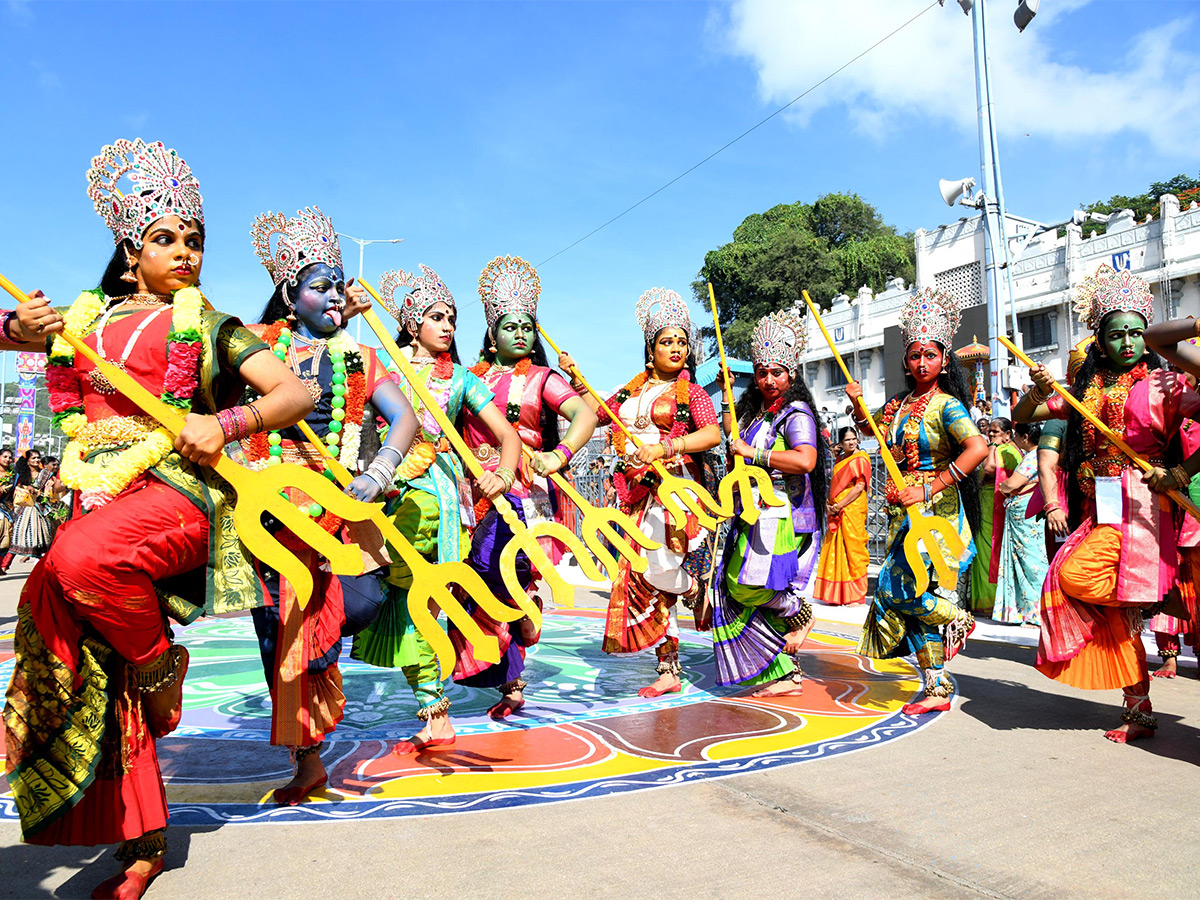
x=425, y=290
x=661, y=308
x=507, y=285
x=1108, y=291
x=160, y=184
x=930, y=315
x=307, y=239
x=779, y=340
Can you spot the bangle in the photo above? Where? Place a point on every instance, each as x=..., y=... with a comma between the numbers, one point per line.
x=668, y=448
x=1182, y=478
x=9, y=316
x=565, y=448
x=507, y=475
x=1051, y=507
x=927, y=492
x=235, y=424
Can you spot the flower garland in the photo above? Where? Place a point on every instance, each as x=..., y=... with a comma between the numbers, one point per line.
x=443, y=371
x=911, y=440
x=349, y=389
x=516, y=386
x=99, y=482
x=1106, y=396
x=631, y=489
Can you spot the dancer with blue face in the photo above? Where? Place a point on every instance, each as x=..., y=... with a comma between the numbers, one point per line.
x=303, y=324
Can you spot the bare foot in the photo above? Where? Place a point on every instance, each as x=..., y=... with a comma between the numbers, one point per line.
x=438, y=732
x=1128, y=732
x=926, y=705
x=780, y=687
x=664, y=684
x=509, y=704
x=310, y=775
x=131, y=882
x=1169, y=669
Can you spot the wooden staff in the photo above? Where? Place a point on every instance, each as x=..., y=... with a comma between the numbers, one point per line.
x=1113, y=438
x=672, y=490
x=257, y=492
x=921, y=528
x=743, y=478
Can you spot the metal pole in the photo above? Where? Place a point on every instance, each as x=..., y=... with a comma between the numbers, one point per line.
x=358, y=325
x=994, y=147
x=985, y=183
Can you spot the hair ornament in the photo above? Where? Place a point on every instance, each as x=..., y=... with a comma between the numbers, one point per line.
x=1109, y=291
x=930, y=315
x=303, y=241
x=779, y=340
x=424, y=291
x=661, y=308
x=508, y=285
x=160, y=184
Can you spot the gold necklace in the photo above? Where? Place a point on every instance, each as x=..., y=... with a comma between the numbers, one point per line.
x=642, y=420
x=311, y=383
x=146, y=298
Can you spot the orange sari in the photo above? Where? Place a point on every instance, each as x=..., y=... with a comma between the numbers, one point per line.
x=842, y=570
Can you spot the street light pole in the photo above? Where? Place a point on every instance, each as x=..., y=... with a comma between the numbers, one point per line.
x=362, y=243
x=995, y=231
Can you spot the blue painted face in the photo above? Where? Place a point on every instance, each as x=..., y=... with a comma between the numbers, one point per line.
x=319, y=299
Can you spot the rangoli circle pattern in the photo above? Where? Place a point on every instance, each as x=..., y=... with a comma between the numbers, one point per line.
x=583, y=733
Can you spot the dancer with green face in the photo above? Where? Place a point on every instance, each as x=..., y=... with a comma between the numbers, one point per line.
x=532, y=397
x=1121, y=559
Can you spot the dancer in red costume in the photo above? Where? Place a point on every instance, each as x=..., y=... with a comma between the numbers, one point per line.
x=675, y=420
x=1121, y=559
x=97, y=678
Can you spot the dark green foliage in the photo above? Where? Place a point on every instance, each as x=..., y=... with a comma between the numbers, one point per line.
x=1143, y=205
x=835, y=245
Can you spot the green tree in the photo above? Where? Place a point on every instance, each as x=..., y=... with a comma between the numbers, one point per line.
x=835, y=245
x=1143, y=205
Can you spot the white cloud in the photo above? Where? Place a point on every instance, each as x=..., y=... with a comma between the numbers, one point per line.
x=1152, y=91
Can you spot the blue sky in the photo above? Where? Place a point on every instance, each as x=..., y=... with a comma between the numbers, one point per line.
x=477, y=129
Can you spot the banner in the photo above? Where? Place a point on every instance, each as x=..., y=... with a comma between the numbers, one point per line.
x=29, y=366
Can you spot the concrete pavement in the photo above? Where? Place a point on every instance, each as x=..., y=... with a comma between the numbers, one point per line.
x=1013, y=794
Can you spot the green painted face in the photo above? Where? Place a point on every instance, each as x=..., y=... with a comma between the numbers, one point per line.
x=515, y=334
x=1124, y=339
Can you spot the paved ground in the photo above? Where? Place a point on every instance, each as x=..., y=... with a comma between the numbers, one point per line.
x=1014, y=794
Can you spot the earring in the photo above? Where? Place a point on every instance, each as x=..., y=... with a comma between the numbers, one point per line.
x=492, y=348
x=130, y=265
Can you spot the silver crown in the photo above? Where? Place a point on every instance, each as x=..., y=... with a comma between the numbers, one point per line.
x=307, y=239
x=424, y=291
x=161, y=184
x=508, y=284
x=779, y=339
x=661, y=308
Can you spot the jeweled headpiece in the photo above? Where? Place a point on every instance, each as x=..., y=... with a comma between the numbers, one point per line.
x=661, y=308
x=930, y=315
x=1109, y=291
x=307, y=239
x=1076, y=357
x=160, y=184
x=425, y=290
x=509, y=285
x=779, y=340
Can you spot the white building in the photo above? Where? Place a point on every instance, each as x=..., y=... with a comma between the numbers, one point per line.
x=1045, y=268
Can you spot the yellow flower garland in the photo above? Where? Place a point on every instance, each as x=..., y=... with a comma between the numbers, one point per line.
x=104, y=479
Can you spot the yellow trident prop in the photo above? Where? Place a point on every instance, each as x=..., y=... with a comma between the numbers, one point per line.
x=524, y=539
x=672, y=490
x=1112, y=436
x=432, y=582
x=743, y=478
x=597, y=522
x=921, y=528
x=257, y=492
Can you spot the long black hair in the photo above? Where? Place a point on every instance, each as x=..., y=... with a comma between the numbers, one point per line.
x=957, y=382
x=24, y=474
x=111, y=282
x=750, y=405
x=537, y=356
